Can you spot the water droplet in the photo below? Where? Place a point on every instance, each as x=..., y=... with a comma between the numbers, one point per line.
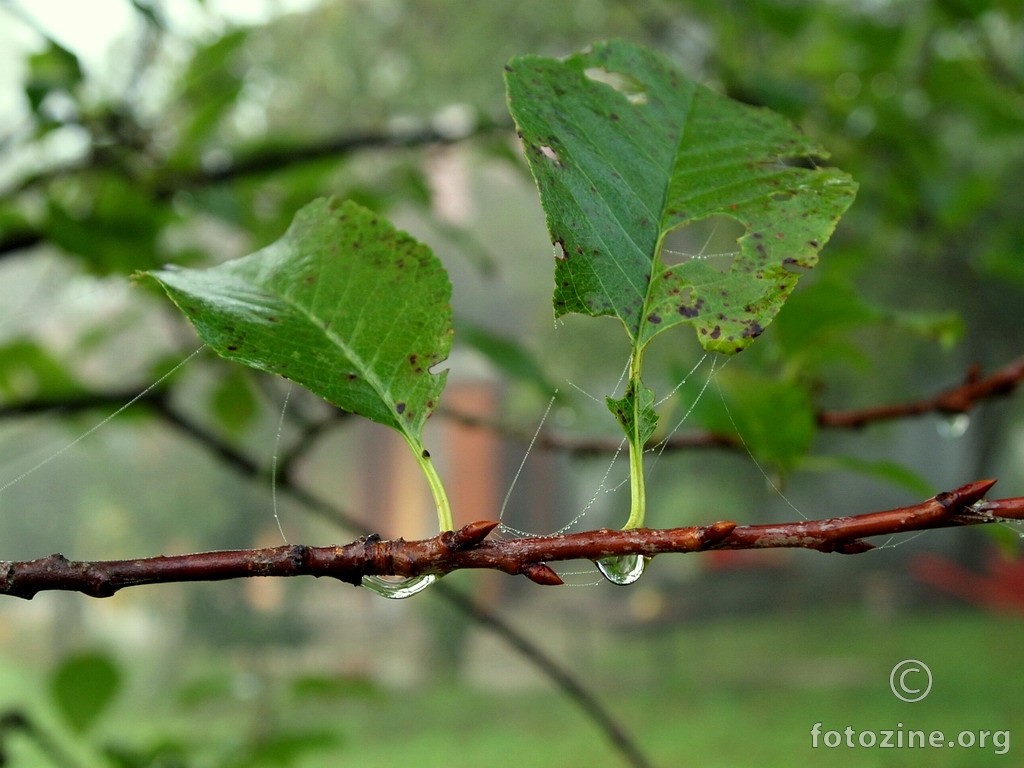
x=396, y=589
x=622, y=570
x=954, y=425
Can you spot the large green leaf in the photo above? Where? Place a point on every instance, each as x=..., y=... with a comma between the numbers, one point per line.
x=626, y=149
x=343, y=303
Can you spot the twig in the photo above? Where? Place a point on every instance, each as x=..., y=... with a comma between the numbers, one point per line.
x=958, y=399
x=466, y=548
x=168, y=181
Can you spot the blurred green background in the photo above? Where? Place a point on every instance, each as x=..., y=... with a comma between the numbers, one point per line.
x=134, y=134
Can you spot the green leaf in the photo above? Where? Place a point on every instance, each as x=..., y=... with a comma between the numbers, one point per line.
x=626, y=149
x=208, y=89
x=343, y=303
x=635, y=413
x=28, y=370
x=83, y=686
x=232, y=400
x=825, y=310
x=118, y=232
x=54, y=69
x=775, y=419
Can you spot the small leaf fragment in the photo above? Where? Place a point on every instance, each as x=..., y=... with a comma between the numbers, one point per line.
x=635, y=413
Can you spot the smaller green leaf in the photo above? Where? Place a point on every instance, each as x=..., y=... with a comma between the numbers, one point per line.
x=83, y=686
x=635, y=414
x=343, y=304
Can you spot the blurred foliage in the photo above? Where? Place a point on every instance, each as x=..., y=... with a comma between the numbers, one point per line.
x=83, y=686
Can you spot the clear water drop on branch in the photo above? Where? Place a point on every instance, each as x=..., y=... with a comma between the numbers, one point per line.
x=622, y=570
x=953, y=426
x=397, y=589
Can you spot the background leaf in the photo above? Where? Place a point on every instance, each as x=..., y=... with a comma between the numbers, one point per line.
x=84, y=686
x=343, y=304
x=774, y=419
x=626, y=149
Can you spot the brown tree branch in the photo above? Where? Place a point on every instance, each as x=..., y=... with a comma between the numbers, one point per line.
x=166, y=181
x=467, y=548
x=957, y=399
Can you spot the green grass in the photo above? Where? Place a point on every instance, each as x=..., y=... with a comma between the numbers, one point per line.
x=723, y=693
x=729, y=693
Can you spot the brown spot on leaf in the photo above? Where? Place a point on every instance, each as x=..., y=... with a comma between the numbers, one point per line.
x=753, y=330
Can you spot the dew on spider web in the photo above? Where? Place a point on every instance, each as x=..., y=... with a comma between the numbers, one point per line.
x=274, y=462
x=68, y=446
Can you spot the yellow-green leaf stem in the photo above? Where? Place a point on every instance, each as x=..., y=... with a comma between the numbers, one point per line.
x=637, y=487
x=635, y=414
x=445, y=520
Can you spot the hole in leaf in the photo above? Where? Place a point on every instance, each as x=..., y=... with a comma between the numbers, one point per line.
x=625, y=84
x=796, y=266
x=712, y=239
